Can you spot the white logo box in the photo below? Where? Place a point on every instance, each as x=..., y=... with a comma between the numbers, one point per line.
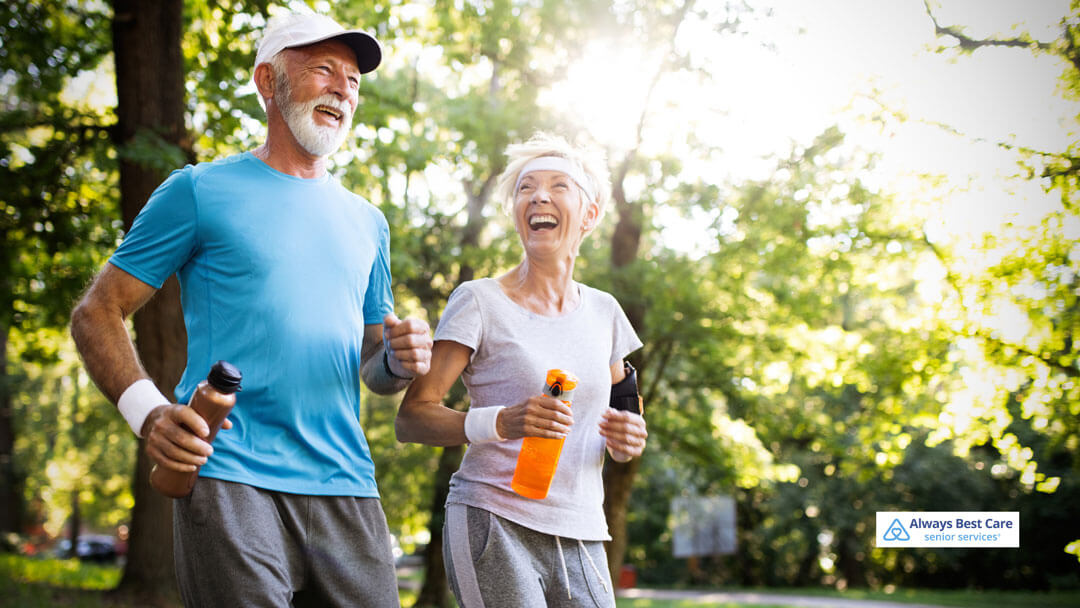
x=966, y=529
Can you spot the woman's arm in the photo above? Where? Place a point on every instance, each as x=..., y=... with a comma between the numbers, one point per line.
x=625, y=432
x=422, y=417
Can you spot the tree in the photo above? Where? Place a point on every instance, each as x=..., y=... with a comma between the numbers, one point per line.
x=1035, y=277
x=53, y=172
x=625, y=250
x=149, y=131
x=795, y=360
x=467, y=127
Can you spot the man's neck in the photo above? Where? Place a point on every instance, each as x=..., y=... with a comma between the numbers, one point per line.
x=283, y=153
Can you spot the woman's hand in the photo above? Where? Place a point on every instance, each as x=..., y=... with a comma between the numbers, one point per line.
x=540, y=416
x=625, y=434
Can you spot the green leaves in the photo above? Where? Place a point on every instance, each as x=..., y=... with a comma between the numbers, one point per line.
x=808, y=349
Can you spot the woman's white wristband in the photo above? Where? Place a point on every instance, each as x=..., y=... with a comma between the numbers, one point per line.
x=137, y=402
x=480, y=424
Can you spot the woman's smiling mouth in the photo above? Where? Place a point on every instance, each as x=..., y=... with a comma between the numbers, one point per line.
x=543, y=221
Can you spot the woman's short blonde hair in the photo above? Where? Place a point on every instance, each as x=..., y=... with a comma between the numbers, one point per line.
x=591, y=161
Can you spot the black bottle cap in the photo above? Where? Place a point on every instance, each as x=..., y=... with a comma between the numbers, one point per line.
x=224, y=377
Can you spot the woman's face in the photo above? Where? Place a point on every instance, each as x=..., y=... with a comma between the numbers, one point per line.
x=551, y=214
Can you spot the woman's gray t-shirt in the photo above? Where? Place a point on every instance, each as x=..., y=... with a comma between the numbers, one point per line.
x=513, y=349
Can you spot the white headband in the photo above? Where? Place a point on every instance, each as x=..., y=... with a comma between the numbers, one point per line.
x=557, y=163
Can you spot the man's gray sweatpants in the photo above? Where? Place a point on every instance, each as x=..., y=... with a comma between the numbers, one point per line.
x=236, y=545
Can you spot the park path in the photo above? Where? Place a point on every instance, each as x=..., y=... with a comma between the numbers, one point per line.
x=750, y=598
x=753, y=597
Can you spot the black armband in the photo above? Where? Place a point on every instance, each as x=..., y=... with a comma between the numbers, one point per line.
x=386, y=366
x=624, y=394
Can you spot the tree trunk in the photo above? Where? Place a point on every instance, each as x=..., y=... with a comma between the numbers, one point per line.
x=625, y=247
x=849, y=562
x=433, y=593
x=159, y=327
x=618, y=480
x=619, y=477
x=11, y=505
x=150, y=98
x=75, y=522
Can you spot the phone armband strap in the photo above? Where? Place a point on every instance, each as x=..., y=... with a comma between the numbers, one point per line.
x=624, y=394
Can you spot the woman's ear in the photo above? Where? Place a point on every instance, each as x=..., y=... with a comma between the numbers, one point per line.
x=591, y=216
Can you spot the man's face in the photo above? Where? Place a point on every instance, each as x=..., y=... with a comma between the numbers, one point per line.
x=317, y=94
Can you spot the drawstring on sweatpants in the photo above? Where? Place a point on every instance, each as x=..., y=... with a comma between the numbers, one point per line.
x=562, y=562
x=566, y=576
x=595, y=570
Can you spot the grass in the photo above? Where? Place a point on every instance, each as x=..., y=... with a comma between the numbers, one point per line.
x=50, y=582
x=643, y=603
x=959, y=598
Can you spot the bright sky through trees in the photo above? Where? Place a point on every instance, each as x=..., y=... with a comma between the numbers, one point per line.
x=872, y=69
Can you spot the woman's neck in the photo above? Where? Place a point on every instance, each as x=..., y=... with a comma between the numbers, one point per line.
x=545, y=289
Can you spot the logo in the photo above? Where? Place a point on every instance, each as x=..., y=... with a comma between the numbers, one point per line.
x=960, y=529
x=896, y=531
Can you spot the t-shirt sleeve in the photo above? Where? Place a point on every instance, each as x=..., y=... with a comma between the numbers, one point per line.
x=461, y=321
x=624, y=340
x=379, y=299
x=164, y=235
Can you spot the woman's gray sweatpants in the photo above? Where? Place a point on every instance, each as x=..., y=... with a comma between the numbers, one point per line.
x=494, y=562
x=236, y=545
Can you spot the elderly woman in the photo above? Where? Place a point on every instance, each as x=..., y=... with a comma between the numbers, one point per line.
x=501, y=335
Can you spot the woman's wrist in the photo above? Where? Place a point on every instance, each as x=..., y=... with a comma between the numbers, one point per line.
x=481, y=424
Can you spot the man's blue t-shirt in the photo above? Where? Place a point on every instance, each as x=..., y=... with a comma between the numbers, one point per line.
x=278, y=276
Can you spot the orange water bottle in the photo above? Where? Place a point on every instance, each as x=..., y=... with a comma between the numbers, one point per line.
x=540, y=455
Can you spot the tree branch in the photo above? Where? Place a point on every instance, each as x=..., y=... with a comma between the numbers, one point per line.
x=970, y=44
x=666, y=349
x=16, y=121
x=1047, y=358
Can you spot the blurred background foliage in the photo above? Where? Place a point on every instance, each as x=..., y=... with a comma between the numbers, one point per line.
x=822, y=356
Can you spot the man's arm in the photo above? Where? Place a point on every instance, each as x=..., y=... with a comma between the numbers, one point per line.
x=173, y=432
x=394, y=352
x=97, y=325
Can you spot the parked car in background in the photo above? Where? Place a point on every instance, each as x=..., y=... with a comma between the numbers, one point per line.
x=97, y=548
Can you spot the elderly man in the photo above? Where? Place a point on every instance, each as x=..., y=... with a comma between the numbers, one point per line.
x=285, y=274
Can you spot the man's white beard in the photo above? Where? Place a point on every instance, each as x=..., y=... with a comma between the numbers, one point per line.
x=300, y=117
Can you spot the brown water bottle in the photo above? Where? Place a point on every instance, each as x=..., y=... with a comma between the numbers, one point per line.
x=213, y=400
x=540, y=455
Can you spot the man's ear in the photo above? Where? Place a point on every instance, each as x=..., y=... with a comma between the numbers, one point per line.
x=264, y=80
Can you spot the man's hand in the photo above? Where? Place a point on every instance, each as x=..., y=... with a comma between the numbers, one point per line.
x=176, y=437
x=408, y=346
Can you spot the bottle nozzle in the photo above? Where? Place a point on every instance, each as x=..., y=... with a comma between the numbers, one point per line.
x=225, y=377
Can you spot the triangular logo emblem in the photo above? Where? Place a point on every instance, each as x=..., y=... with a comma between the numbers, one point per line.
x=896, y=531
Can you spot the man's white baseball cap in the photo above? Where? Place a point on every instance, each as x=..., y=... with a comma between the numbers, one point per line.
x=301, y=29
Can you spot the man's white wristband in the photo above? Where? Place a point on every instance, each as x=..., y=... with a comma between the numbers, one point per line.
x=137, y=401
x=480, y=424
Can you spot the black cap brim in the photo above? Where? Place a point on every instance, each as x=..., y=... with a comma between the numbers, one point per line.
x=367, y=48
